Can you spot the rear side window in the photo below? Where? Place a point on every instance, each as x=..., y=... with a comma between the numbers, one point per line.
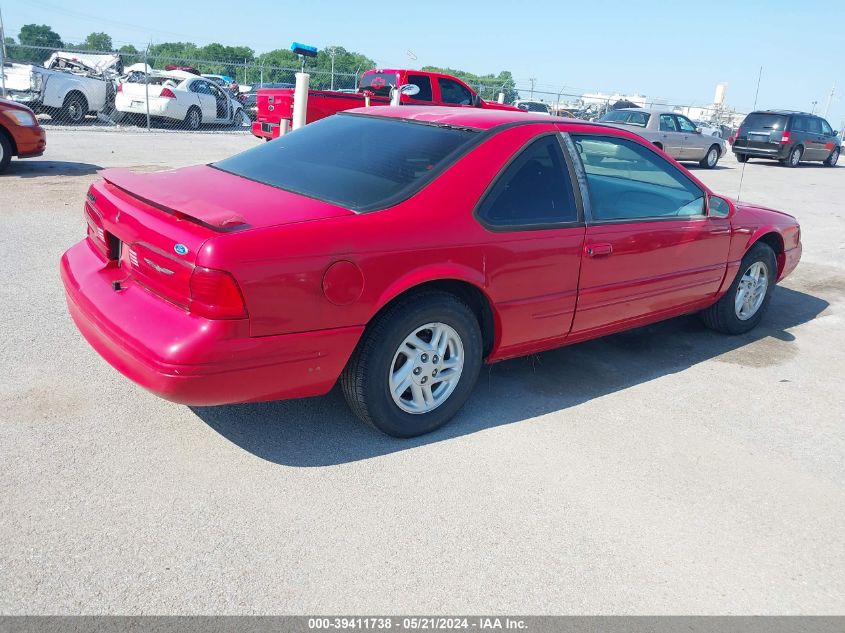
x=534, y=190
x=814, y=125
x=765, y=121
x=423, y=82
x=358, y=162
x=667, y=123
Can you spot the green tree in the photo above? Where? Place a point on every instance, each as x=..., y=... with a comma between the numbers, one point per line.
x=178, y=53
x=97, y=42
x=487, y=86
x=276, y=66
x=130, y=55
x=225, y=60
x=38, y=35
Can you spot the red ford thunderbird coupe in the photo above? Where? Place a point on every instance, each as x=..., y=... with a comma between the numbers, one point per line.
x=397, y=249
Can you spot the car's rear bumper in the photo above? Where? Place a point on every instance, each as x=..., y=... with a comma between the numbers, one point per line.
x=265, y=129
x=773, y=151
x=30, y=141
x=188, y=359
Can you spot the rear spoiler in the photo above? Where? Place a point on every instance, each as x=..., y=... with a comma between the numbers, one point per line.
x=155, y=190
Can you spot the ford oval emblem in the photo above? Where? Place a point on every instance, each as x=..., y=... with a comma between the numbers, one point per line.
x=181, y=249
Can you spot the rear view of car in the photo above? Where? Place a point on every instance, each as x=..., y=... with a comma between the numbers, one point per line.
x=786, y=136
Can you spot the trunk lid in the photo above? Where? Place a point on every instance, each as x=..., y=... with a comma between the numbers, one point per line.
x=154, y=225
x=274, y=104
x=18, y=76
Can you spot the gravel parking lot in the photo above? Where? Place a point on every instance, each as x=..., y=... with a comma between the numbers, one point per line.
x=665, y=470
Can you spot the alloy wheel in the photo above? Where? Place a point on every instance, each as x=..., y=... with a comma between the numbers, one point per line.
x=426, y=368
x=712, y=157
x=751, y=291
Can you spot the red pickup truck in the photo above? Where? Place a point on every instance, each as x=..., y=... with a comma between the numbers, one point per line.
x=276, y=104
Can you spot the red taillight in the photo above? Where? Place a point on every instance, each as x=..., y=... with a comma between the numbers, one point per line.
x=96, y=232
x=167, y=93
x=784, y=139
x=119, y=88
x=215, y=295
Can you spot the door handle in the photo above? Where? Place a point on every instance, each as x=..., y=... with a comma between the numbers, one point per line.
x=598, y=250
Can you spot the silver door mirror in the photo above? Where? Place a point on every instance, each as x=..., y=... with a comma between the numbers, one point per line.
x=718, y=207
x=410, y=89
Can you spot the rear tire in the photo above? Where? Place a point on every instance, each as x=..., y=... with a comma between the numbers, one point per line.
x=831, y=160
x=193, y=119
x=742, y=158
x=711, y=158
x=74, y=109
x=730, y=314
x=794, y=158
x=5, y=152
x=385, y=361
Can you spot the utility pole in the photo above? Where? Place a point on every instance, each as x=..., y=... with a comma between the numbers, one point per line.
x=2, y=57
x=532, y=80
x=829, y=99
x=332, y=53
x=813, y=111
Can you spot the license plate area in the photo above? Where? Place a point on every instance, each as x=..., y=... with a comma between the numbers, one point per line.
x=137, y=104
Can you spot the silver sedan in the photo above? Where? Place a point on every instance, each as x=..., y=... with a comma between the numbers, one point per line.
x=674, y=133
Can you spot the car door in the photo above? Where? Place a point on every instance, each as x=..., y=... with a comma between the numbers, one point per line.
x=222, y=104
x=208, y=105
x=650, y=250
x=670, y=136
x=828, y=138
x=814, y=148
x=695, y=144
x=534, y=250
x=425, y=94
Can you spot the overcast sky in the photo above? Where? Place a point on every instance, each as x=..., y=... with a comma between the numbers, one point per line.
x=675, y=50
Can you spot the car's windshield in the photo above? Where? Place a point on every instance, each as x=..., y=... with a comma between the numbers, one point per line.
x=763, y=121
x=359, y=162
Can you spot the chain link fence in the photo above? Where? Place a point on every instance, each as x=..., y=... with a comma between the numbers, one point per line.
x=132, y=90
x=137, y=90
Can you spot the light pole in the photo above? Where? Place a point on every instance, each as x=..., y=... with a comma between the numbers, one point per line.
x=2, y=57
x=332, y=53
x=532, y=80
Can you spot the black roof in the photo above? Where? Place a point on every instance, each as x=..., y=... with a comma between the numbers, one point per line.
x=782, y=112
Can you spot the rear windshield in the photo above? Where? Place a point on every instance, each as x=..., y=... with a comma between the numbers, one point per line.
x=379, y=83
x=358, y=162
x=626, y=116
x=762, y=121
x=533, y=106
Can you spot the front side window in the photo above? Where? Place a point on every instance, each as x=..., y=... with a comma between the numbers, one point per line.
x=423, y=82
x=667, y=123
x=534, y=190
x=628, y=181
x=686, y=125
x=826, y=129
x=358, y=162
x=453, y=92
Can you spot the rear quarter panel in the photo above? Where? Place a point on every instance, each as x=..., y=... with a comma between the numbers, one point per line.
x=431, y=236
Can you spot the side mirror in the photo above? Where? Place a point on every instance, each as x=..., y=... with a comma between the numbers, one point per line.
x=698, y=130
x=476, y=101
x=836, y=132
x=410, y=89
x=718, y=207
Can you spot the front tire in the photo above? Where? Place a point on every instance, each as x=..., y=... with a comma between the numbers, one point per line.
x=711, y=158
x=415, y=366
x=831, y=160
x=5, y=152
x=744, y=304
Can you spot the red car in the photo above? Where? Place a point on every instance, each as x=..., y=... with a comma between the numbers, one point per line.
x=398, y=250
x=20, y=134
